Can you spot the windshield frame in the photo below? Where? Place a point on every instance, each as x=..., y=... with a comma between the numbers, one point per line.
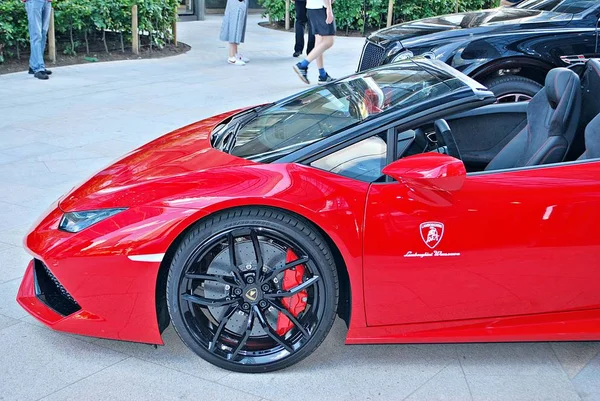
x=439, y=71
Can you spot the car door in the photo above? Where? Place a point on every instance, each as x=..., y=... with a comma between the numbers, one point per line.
x=579, y=42
x=506, y=243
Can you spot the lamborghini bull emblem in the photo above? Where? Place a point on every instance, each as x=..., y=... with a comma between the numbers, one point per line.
x=251, y=294
x=432, y=233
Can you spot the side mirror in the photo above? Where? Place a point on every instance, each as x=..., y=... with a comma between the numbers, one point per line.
x=430, y=170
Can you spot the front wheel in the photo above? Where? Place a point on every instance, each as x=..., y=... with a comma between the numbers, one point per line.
x=252, y=290
x=513, y=88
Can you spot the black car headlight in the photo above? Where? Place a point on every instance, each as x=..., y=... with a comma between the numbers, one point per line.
x=74, y=222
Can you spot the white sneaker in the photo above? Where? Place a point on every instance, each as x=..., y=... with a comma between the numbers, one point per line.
x=235, y=61
x=240, y=56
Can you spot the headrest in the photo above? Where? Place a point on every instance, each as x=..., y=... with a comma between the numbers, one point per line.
x=594, y=65
x=559, y=83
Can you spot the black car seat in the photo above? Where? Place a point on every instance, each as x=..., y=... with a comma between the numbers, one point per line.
x=552, y=118
x=592, y=139
x=590, y=104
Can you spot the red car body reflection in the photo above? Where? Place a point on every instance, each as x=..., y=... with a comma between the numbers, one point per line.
x=508, y=256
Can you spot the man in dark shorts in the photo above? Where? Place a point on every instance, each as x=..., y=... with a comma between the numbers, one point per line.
x=321, y=20
x=301, y=22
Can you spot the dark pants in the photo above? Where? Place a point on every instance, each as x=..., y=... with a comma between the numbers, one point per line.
x=301, y=21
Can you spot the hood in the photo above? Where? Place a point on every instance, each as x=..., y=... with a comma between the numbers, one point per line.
x=462, y=24
x=137, y=177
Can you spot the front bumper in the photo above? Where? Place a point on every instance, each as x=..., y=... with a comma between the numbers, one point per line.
x=94, y=282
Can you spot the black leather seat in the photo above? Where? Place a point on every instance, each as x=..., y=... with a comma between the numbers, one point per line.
x=552, y=117
x=592, y=140
x=590, y=104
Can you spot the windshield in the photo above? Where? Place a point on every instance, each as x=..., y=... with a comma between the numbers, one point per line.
x=559, y=6
x=321, y=112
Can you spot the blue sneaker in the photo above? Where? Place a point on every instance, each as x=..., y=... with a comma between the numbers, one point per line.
x=325, y=80
x=302, y=73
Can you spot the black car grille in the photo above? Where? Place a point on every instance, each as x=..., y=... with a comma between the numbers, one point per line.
x=51, y=292
x=372, y=56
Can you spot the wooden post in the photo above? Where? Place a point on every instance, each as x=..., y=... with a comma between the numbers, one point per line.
x=135, y=35
x=390, y=12
x=287, y=15
x=457, y=4
x=175, y=27
x=52, y=39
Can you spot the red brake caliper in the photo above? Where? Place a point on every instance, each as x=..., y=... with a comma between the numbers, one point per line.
x=296, y=303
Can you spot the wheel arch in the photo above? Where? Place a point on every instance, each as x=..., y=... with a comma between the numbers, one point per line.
x=345, y=293
x=528, y=67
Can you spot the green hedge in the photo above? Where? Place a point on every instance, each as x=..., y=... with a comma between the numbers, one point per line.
x=80, y=23
x=363, y=15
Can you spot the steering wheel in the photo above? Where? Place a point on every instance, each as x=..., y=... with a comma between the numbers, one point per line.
x=442, y=129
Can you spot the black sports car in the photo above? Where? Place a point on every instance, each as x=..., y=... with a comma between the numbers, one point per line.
x=508, y=49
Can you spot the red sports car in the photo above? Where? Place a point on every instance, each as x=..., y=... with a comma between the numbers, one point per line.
x=402, y=198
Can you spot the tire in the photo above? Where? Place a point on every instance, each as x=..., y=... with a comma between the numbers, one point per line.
x=513, y=88
x=228, y=315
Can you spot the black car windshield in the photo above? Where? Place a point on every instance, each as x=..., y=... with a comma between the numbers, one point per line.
x=323, y=111
x=559, y=6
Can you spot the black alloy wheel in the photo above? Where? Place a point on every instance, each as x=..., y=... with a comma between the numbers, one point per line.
x=252, y=290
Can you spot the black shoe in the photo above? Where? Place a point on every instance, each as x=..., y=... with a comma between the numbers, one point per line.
x=297, y=54
x=41, y=75
x=325, y=80
x=48, y=72
x=302, y=73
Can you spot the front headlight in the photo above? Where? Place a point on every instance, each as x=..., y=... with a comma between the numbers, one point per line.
x=74, y=222
x=406, y=54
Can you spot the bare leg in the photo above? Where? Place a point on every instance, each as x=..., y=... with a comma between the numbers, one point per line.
x=322, y=43
x=233, y=49
x=320, y=61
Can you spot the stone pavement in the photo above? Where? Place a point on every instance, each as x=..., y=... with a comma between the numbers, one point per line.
x=56, y=133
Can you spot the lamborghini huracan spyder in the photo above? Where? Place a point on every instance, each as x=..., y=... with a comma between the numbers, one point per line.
x=403, y=199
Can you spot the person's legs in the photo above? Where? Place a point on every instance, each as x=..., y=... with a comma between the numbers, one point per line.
x=301, y=20
x=322, y=43
x=46, y=12
x=34, y=18
x=234, y=57
x=233, y=49
x=324, y=35
x=311, y=39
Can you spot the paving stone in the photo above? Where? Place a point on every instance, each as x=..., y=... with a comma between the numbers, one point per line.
x=574, y=356
x=8, y=301
x=339, y=372
x=522, y=388
x=587, y=381
x=6, y=321
x=12, y=216
x=32, y=149
x=35, y=362
x=13, y=261
x=174, y=355
x=527, y=359
x=14, y=236
x=449, y=384
x=134, y=379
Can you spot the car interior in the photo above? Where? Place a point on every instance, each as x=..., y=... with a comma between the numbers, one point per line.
x=561, y=123
x=548, y=129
